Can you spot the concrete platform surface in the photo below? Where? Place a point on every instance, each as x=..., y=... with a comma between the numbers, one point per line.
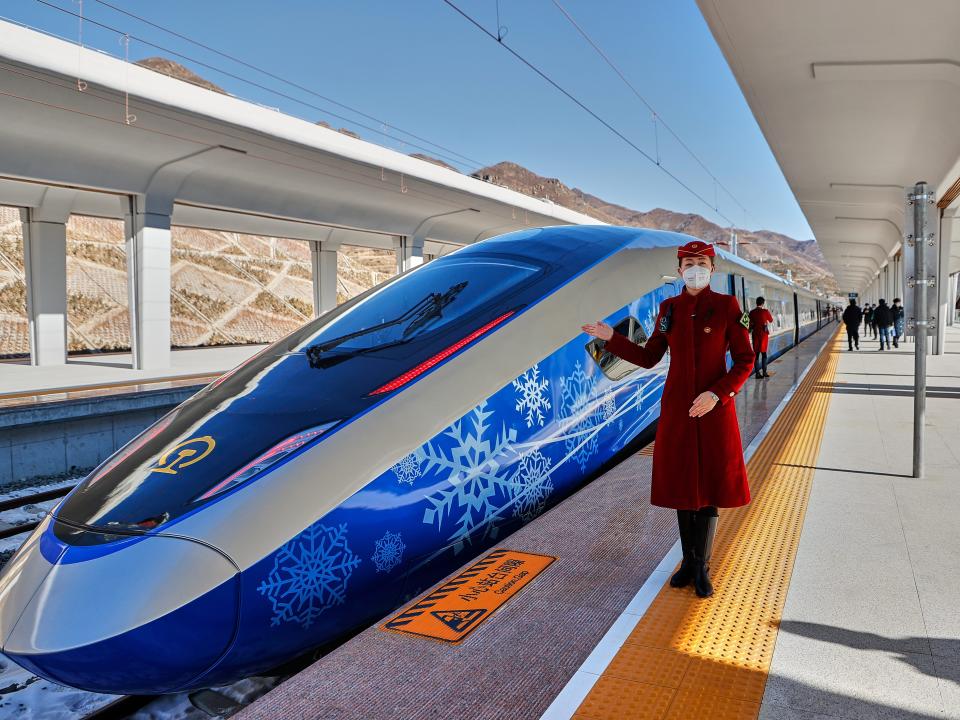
x=108, y=369
x=871, y=626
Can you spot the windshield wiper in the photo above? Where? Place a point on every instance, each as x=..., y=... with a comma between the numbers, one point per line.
x=428, y=309
x=435, y=303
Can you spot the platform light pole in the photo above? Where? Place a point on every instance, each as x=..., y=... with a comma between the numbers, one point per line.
x=920, y=200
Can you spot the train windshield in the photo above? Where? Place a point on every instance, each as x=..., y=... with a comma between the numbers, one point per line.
x=285, y=398
x=425, y=301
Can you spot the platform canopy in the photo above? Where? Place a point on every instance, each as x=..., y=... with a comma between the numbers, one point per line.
x=858, y=100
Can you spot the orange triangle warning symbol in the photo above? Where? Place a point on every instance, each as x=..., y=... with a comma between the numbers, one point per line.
x=458, y=620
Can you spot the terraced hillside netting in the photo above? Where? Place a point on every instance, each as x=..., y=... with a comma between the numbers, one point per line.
x=225, y=288
x=14, y=338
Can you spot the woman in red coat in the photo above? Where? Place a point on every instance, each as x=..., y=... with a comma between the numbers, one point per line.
x=760, y=322
x=697, y=459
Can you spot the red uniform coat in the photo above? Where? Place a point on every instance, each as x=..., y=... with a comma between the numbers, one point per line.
x=697, y=461
x=759, y=318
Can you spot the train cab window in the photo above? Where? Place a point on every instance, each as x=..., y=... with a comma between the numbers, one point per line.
x=433, y=297
x=612, y=366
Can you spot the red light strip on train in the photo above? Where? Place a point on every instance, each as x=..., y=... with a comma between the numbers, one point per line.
x=439, y=357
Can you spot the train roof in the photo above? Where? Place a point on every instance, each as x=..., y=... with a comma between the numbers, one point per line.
x=648, y=238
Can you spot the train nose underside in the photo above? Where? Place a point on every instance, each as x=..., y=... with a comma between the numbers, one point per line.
x=121, y=617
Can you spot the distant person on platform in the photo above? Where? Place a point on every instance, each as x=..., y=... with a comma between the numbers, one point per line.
x=873, y=321
x=897, y=311
x=760, y=322
x=852, y=318
x=883, y=321
x=867, y=320
x=697, y=457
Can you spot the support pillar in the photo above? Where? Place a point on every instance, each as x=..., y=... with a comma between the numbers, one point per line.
x=954, y=285
x=323, y=259
x=45, y=271
x=148, y=283
x=409, y=252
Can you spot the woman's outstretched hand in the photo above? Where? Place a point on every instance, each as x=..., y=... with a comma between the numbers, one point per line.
x=598, y=329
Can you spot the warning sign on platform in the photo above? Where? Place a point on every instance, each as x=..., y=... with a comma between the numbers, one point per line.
x=456, y=608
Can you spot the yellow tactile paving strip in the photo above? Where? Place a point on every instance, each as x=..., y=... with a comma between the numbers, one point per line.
x=691, y=658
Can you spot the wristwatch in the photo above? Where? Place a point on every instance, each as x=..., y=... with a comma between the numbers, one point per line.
x=716, y=398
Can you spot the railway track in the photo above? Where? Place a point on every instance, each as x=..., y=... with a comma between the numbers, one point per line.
x=15, y=503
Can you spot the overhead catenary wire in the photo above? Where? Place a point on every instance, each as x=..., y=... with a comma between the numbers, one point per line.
x=583, y=106
x=657, y=117
x=252, y=83
x=284, y=80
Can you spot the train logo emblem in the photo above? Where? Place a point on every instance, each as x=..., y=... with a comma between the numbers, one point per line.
x=185, y=454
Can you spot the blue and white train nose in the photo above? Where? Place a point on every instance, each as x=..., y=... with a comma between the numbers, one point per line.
x=168, y=606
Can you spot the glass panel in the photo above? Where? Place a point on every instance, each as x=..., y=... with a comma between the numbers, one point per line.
x=361, y=268
x=613, y=367
x=230, y=289
x=97, y=315
x=14, y=330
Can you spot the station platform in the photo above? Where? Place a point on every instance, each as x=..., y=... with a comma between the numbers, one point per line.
x=22, y=383
x=835, y=588
x=64, y=420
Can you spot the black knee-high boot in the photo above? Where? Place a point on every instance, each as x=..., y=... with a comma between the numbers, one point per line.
x=705, y=524
x=683, y=576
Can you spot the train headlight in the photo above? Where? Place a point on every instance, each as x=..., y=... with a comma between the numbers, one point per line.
x=265, y=460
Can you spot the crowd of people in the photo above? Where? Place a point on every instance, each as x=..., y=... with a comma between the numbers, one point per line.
x=880, y=321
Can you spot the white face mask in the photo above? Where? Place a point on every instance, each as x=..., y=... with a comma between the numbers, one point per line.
x=696, y=277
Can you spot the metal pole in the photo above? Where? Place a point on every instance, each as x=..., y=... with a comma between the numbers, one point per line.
x=920, y=203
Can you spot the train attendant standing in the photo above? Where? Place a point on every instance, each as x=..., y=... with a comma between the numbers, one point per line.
x=697, y=459
x=760, y=322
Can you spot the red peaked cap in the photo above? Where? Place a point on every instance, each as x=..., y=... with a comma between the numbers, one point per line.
x=696, y=248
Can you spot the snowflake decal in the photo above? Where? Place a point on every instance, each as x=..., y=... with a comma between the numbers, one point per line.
x=609, y=407
x=407, y=469
x=309, y=575
x=580, y=415
x=388, y=552
x=532, y=395
x=475, y=467
x=531, y=486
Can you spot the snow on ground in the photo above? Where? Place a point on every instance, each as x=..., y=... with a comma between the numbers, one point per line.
x=24, y=696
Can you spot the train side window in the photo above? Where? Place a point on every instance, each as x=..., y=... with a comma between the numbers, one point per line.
x=612, y=366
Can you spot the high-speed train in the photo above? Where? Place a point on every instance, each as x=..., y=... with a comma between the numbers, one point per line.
x=355, y=462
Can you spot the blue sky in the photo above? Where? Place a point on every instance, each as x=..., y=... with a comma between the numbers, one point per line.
x=420, y=66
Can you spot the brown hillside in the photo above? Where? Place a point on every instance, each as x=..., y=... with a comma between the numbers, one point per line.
x=773, y=251
x=168, y=67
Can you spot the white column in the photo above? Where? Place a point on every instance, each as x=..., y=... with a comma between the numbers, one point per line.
x=409, y=252
x=952, y=288
x=45, y=266
x=949, y=227
x=323, y=257
x=148, y=281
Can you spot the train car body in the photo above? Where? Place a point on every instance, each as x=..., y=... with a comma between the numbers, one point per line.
x=352, y=464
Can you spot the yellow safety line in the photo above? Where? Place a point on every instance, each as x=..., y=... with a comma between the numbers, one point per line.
x=690, y=658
